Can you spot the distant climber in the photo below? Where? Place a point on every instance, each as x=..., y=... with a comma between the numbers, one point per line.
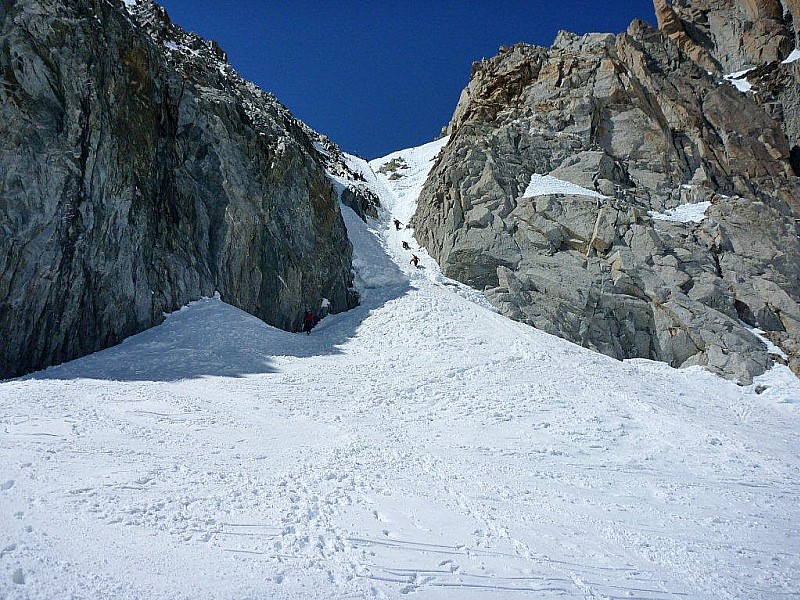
x=397, y=225
x=414, y=260
x=406, y=246
x=308, y=322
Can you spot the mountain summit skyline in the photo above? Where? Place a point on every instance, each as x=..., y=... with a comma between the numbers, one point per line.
x=373, y=77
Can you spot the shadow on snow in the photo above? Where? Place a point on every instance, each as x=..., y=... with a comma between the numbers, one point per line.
x=209, y=338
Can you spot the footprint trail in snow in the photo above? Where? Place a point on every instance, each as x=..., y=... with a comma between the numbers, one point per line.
x=420, y=445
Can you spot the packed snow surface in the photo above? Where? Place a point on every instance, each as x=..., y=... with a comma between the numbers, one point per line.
x=418, y=446
x=685, y=213
x=544, y=185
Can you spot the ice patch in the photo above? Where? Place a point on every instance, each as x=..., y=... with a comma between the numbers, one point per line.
x=686, y=213
x=545, y=185
x=321, y=149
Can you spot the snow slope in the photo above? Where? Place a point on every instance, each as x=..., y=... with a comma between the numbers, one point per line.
x=794, y=56
x=418, y=446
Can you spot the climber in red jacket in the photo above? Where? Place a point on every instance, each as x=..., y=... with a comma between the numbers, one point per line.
x=308, y=322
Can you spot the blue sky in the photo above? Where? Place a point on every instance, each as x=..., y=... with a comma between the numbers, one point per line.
x=380, y=76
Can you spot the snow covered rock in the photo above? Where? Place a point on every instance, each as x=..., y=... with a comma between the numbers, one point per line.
x=140, y=172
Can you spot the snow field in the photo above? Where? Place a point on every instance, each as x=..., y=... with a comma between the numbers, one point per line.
x=418, y=446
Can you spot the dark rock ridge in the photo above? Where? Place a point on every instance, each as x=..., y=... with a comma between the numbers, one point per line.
x=638, y=119
x=139, y=172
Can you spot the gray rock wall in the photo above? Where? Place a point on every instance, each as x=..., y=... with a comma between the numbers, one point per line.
x=634, y=118
x=732, y=36
x=727, y=36
x=139, y=172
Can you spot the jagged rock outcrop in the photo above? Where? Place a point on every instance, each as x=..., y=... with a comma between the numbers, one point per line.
x=140, y=172
x=726, y=36
x=354, y=190
x=745, y=36
x=673, y=26
x=635, y=119
x=776, y=87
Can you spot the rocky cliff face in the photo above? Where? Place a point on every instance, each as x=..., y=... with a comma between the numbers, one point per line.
x=748, y=37
x=640, y=124
x=725, y=36
x=138, y=172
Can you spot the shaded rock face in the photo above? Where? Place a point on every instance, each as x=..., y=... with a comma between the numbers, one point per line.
x=636, y=119
x=139, y=172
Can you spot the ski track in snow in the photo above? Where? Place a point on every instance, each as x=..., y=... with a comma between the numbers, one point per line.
x=418, y=446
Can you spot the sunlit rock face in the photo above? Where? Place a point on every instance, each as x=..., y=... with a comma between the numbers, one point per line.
x=730, y=35
x=645, y=123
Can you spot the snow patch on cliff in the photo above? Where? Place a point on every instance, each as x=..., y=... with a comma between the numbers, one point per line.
x=545, y=185
x=685, y=213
